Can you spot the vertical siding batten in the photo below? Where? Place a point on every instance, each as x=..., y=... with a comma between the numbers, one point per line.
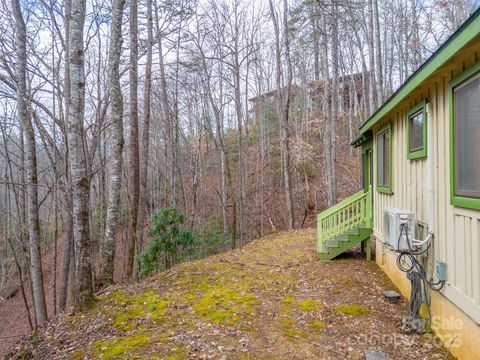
x=468, y=257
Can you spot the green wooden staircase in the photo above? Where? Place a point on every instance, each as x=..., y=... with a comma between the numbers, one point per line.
x=345, y=225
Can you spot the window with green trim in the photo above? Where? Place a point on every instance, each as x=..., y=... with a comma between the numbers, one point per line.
x=384, y=160
x=417, y=132
x=465, y=126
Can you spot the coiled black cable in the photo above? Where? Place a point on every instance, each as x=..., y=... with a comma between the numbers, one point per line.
x=407, y=262
x=411, y=255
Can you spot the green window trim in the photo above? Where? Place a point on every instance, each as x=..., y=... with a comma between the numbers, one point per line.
x=456, y=200
x=382, y=189
x=420, y=153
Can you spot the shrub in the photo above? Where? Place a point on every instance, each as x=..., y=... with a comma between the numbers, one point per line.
x=168, y=238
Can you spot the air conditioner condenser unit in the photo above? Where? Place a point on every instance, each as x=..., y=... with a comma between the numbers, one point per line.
x=395, y=237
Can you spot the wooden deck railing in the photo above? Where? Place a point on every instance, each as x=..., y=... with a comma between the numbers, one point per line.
x=352, y=212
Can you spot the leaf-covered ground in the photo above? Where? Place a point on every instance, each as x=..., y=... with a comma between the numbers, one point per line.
x=270, y=300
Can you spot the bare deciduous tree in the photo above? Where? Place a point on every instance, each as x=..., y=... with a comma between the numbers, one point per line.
x=133, y=140
x=116, y=134
x=78, y=159
x=36, y=272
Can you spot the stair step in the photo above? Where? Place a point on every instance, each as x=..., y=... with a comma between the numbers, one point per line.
x=332, y=243
x=353, y=231
x=340, y=243
x=343, y=237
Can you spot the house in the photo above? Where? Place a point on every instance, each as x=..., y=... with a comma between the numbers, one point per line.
x=421, y=176
x=352, y=89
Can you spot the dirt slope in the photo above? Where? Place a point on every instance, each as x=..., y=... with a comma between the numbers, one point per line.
x=270, y=300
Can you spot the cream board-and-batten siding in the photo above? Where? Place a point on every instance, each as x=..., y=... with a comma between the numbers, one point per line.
x=457, y=230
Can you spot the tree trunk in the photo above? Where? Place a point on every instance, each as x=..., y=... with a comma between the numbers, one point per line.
x=316, y=48
x=78, y=160
x=134, y=152
x=165, y=113
x=378, y=54
x=32, y=177
x=415, y=39
x=239, y=114
x=68, y=247
x=285, y=125
x=142, y=200
x=283, y=107
x=116, y=135
x=371, y=61
x=333, y=125
x=326, y=112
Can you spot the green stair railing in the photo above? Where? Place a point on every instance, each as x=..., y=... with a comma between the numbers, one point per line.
x=355, y=211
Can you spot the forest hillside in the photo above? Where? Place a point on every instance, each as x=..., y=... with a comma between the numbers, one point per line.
x=139, y=135
x=272, y=299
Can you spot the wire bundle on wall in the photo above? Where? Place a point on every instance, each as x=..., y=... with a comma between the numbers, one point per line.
x=408, y=262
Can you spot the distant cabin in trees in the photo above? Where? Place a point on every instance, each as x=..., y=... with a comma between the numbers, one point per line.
x=352, y=90
x=421, y=177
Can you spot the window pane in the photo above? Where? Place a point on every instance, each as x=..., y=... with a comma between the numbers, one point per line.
x=467, y=139
x=380, y=159
x=364, y=173
x=416, y=131
x=386, y=159
x=383, y=159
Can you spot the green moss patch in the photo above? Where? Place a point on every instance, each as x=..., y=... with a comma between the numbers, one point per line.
x=353, y=309
x=288, y=300
x=222, y=304
x=289, y=326
x=316, y=325
x=290, y=303
x=309, y=305
x=147, y=306
x=122, y=348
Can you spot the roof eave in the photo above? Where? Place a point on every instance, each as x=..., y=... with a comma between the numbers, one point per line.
x=361, y=139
